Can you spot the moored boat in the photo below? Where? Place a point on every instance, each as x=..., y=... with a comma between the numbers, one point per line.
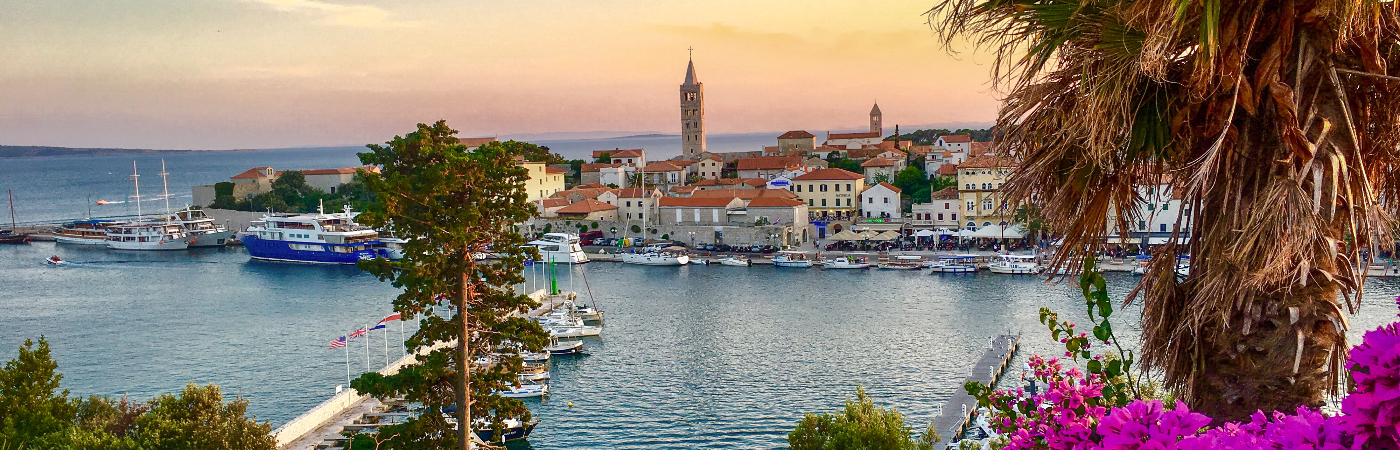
x=735, y=261
x=147, y=235
x=954, y=264
x=787, y=258
x=85, y=232
x=201, y=228
x=1015, y=265
x=559, y=248
x=9, y=237
x=525, y=391
x=904, y=262
x=310, y=238
x=848, y=261
x=513, y=430
x=655, y=259
x=558, y=347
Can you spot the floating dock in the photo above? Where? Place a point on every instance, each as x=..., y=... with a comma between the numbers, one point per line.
x=958, y=411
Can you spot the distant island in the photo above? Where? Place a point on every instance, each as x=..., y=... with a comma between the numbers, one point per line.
x=21, y=151
x=639, y=136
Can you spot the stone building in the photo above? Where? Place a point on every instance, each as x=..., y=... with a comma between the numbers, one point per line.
x=830, y=191
x=692, y=115
x=979, y=189
x=796, y=140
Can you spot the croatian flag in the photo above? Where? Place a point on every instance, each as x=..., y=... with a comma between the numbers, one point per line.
x=358, y=333
x=338, y=342
x=392, y=317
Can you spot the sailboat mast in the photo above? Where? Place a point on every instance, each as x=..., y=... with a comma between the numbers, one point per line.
x=13, y=226
x=166, y=183
x=135, y=178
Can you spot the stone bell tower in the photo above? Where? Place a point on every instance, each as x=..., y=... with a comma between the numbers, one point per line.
x=875, y=126
x=692, y=115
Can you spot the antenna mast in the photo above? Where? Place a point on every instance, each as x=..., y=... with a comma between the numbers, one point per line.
x=135, y=178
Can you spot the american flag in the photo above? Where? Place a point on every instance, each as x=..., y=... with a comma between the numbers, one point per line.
x=358, y=333
x=338, y=342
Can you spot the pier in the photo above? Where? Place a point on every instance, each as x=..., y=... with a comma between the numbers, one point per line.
x=323, y=425
x=959, y=410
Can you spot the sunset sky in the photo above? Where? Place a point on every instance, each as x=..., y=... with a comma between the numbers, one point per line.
x=212, y=74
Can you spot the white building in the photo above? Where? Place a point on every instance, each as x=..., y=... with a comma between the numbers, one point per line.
x=940, y=212
x=1158, y=209
x=634, y=157
x=620, y=176
x=881, y=200
x=956, y=143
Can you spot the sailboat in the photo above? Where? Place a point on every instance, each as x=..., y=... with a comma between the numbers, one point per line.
x=12, y=236
x=143, y=234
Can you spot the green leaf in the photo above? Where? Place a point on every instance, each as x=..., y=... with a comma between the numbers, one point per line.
x=1101, y=333
x=1107, y=329
x=1095, y=366
x=1105, y=308
x=1115, y=368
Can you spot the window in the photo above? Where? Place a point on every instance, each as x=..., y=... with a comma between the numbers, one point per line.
x=971, y=206
x=887, y=200
x=629, y=203
x=1163, y=227
x=799, y=188
x=848, y=202
x=1164, y=206
x=823, y=187
x=639, y=216
x=848, y=187
x=986, y=224
x=811, y=202
x=1151, y=206
x=870, y=199
x=987, y=204
x=1142, y=225
x=940, y=216
x=823, y=202
x=955, y=217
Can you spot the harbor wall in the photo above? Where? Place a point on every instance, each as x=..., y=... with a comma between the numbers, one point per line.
x=732, y=234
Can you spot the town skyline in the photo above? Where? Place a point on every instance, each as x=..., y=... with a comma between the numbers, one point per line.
x=292, y=73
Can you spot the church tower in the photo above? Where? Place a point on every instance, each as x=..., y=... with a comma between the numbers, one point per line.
x=875, y=126
x=692, y=115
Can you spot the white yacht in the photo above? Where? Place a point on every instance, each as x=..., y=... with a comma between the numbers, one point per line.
x=655, y=259
x=560, y=248
x=735, y=261
x=787, y=258
x=391, y=247
x=311, y=238
x=954, y=264
x=1015, y=265
x=849, y=261
x=201, y=228
x=147, y=236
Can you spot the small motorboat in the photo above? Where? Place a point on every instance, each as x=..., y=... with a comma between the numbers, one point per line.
x=513, y=430
x=735, y=261
x=558, y=347
x=531, y=377
x=700, y=262
x=525, y=391
x=103, y=202
x=55, y=261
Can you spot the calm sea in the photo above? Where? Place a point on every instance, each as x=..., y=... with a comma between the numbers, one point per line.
x=53, y=189
x=691, y=357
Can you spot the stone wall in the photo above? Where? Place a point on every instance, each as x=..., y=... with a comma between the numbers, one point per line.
x=733, y=234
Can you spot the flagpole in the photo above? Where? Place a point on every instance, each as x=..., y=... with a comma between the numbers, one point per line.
x=401, y=337
x=347, y=364
x=386, y=346
x=367, y=335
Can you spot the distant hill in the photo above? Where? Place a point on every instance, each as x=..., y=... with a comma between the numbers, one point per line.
x=20, y=151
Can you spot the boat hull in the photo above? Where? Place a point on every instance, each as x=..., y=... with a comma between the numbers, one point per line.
x=655, y=260
x=735, y=262
x=14, y=239
x=509, y=434
x=955, y=269
x=211, y=239
x=175, y=244
x=281, y=251
x=1015, y=270
x=798, y=264
x=79, y=240
x=899, y=266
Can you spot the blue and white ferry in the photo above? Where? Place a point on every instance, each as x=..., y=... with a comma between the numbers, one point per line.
x=311, y=238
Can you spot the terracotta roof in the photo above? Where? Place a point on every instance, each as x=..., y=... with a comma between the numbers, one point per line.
x=709, y=156
x=774, y=202
x=830, y=135
x=586, y=206
x=697, y=201
x=829, y=174
x=755, y=182
x=947, y=169
x=256, y=172
x=551, y=170
x=633, y=192
x=476, y=141
x=683, y=189
x=768, y=163
x=878, y=162
x=594, y=167
x=864, y=153
x=552, y=202
x=708, y=182
x=620, y=153
x=683, y=162
x=979, y=148
x=767, y=149
x=947, y=193
x=746, y=194
x=986, y=161
x=796, y=134
x=889, y=186
x=661, y=166
x=590, y=185
x=586, y=192
x=956, y=138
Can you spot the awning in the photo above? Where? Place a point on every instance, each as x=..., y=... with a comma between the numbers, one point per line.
x=924, y=233
x=844, y=235
x=997, y=232
x=887, y=236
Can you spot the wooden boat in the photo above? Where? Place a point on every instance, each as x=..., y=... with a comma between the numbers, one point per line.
x=9, y=237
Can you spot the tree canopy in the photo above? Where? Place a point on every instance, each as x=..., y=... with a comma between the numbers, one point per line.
x=861, y=425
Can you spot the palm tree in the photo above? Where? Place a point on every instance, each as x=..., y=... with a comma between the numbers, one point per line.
x=1278, y=123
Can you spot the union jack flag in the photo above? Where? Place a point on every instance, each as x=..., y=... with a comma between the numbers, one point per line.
x=358, y=333
x=338, y=342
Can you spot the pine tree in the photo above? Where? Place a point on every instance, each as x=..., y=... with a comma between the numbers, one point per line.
x=453, y=203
